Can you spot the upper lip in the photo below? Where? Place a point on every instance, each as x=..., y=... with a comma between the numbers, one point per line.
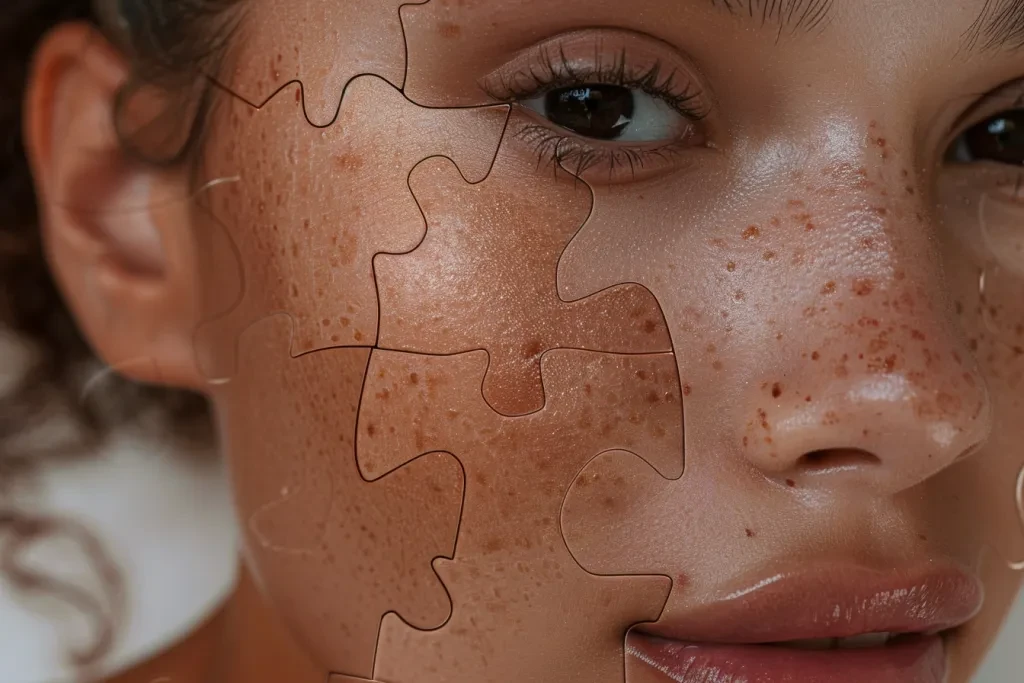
x=830, y=601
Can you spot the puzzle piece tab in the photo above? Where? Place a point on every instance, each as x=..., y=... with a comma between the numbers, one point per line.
x=511, y=575
x=304, y=225
x=319, y=45
x=484, y=278
x=335, y=551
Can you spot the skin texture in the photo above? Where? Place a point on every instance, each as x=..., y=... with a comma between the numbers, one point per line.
x=839, y=382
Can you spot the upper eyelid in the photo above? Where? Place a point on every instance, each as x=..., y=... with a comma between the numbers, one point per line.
x=553, y=76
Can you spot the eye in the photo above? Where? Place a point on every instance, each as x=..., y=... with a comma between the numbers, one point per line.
x=612, y=113
x=999, y=139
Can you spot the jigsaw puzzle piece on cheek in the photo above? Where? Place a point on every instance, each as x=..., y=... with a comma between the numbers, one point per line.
x=333, y=552
x=312, y=207
x=322, y=45
x=516, y=591
x=484, y=278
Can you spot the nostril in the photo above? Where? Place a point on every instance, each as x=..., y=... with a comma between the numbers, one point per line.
x=834, y=459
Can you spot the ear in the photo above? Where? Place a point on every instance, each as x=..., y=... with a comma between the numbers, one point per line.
x=117, y=232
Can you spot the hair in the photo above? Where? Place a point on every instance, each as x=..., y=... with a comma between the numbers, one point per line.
x=172, y=45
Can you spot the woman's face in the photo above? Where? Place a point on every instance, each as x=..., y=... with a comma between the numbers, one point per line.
x=591, y=314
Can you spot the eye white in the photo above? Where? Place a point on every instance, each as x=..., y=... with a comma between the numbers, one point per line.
x=653, y=119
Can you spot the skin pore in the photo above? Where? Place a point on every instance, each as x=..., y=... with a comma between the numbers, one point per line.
x=753, y=335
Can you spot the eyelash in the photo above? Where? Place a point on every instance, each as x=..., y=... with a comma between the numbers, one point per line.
x=569, y=150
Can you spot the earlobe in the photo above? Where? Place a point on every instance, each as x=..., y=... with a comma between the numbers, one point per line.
x=116, y=231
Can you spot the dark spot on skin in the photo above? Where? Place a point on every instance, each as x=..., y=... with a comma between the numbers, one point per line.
x=863, y=286
x=371, y=430
x=750, y=533
x=711, y=348
x=717, y=365
x=776, y=390
x=587, y=389
x=298, y=96
x=815, y=355
x=807, y=399
x=532, y=349
x=751, y=232
x=446, y=29
x=829, y=287
x=414, y=378
x=652, y=397
x=650, y=326
x=358, y=336
x=922, y=537
x=348, y=162
x=763, y=417
x=795, y=204
x=790, y=483
x=686, y=390
x=768, y=255
x=809, y=226
x=730, y=266
x=918, y=335
x=746, y=441
x=641, y=374
x=775, y=222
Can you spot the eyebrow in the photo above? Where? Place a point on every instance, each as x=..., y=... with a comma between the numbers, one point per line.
x=1000, y=26
x=797, y=15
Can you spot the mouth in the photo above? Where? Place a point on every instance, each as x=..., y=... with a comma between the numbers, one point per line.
x=830, y=624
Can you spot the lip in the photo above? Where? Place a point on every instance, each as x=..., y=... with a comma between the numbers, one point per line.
x=724, y=640
x=831, y=601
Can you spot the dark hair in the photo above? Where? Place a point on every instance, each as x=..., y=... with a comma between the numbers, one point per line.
x=173, y=45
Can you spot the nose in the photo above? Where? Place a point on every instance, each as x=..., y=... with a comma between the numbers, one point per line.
x=877, y=386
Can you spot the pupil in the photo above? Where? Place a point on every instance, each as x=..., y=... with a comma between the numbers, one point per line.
x=594, y=111
x=1001, y=138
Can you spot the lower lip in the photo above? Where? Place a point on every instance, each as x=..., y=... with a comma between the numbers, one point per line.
x=920, y=660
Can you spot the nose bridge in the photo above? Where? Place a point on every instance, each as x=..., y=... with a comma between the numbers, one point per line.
x=881, y=384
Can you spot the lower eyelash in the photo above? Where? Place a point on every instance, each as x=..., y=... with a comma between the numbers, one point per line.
x=577, y=155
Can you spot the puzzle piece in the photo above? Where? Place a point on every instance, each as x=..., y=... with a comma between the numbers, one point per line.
x=328, y=210
x=334, y=551
x=511, y=577
x=484, y=277
x=321, y=47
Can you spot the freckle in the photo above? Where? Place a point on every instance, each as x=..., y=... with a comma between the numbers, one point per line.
x=776, y=390
x=344, y=321
x=325, y=322
x=335, y=338
x=641, y=374
x=890, y=363
x=775, y=222
x=751, y=232
x=807, y=399
x=910, y=190
x=829, y=287
x=298, y=96
x=358, y=336
x=587, y=389
x=959, y=308
x=795, y=204
x=711, y=348
x=919, y=335
x=750, y=533
x=730, y=266
x=778, y=337
x=650, y=326
x=790, y=483
x=746, y=441
x=922, y=537
x=371, y=430
x=447, y=29
x=687, y=390
x=815, y=355
x=414, y=378
x=863, y=286
x=768, y=255
x=717, y=365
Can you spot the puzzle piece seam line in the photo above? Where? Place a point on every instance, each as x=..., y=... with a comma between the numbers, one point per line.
x=565, y=496
x=405, y=41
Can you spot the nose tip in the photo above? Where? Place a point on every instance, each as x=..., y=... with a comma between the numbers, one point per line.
x=885, y=433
